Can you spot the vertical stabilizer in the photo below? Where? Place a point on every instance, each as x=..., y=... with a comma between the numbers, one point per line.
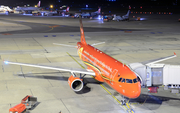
x=39, y=4
x=82, y=31
x=67, y=9
x=127, y=15
x=99, y=10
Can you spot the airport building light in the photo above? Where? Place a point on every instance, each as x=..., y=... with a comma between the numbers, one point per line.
x=35, y=6
x=111, y=0
x=51, y=6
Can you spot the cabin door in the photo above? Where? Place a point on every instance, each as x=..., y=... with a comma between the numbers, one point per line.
x=113, y=74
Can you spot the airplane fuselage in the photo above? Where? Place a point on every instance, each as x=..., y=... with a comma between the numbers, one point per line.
x=109, y=70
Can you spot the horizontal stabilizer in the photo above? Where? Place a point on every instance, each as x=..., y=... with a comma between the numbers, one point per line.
x=64, y=45
x=97, y=43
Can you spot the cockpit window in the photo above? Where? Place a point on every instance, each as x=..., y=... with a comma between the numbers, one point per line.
x=128, y=81
x=135, y=80
x=120, y=79
x=123, y=80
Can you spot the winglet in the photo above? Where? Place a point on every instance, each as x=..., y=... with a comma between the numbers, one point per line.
x=5, y=62
x=175, y=53
x=82, y=31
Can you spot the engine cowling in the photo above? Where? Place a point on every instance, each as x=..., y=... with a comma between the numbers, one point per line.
x=75, y=83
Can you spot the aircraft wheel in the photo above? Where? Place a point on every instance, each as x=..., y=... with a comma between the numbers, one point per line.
x=123, y=102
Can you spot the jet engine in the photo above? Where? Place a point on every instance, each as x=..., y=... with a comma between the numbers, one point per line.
x=75, y=83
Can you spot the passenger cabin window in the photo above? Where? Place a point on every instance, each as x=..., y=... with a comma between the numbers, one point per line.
x=128, y=81
x=120, y=79
x=123, y=80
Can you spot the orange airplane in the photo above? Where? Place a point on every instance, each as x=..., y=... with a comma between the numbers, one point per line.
x=100, y=65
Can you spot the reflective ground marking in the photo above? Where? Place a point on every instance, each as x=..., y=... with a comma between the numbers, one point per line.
x=152, y=32
x=126, y=107
x=52, y=27
x=6, y=34
x=128, y=31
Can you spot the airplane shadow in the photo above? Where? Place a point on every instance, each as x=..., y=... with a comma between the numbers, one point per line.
x=34, y=106
x=86, y=81
x=153, y=102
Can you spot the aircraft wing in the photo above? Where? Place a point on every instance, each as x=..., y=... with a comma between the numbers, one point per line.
x=159, y=59
x=82, y=71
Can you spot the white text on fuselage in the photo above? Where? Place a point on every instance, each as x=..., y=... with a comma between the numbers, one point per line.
x=99, y=62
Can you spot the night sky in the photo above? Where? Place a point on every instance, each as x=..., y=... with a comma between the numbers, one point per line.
x=117, y=3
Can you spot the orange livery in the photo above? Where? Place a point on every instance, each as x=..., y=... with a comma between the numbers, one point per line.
x=103, y=67
x=108, y=69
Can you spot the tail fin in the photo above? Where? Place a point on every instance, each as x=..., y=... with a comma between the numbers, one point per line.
x=39, y=4
x=99, y=10
x=127, y=13
x=82, y=31
x=67, y=9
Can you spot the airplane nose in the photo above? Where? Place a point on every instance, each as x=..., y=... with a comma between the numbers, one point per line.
x=132, y=93
x=136, y=92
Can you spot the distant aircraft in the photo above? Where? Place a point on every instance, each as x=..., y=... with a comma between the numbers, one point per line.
x=101, y=66
x=5, y=9
x=87, y=14
x=47, y=12
x=50, y=13
x=64, y=12
x=124, y=17
x=28, y=9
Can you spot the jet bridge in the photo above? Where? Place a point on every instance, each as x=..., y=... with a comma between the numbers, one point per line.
x=154, y=75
